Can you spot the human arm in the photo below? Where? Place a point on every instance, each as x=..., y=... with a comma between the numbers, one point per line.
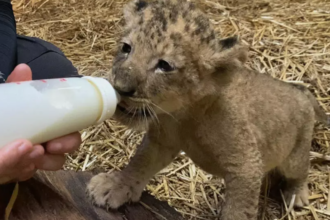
x=7, y=39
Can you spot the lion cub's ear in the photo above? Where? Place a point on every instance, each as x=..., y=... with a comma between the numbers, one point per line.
x=228, y=53
x=132, y=10
x=231, y=47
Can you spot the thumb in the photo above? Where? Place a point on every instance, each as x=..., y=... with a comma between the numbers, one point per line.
x=22, y=72
x=11, y=154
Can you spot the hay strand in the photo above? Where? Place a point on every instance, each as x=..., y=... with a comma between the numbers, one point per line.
x=289, y=40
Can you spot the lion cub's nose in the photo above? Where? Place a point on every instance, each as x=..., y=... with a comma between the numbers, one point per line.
x=125, y=82
x=125, y=91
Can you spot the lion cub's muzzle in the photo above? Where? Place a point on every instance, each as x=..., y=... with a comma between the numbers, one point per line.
x=134, y=109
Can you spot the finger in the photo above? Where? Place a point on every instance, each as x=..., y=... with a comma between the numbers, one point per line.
x=27, y=173
x=26, y=177
x=22, y=72
x=19, y=173
x=5, y=180
x=65, y=144
x=12, y=154
x=37, y=152
x=50, y=162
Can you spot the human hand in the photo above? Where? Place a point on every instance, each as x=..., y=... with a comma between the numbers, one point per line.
x=20, y=160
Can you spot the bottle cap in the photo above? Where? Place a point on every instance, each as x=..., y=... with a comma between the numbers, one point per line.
x=110, y=98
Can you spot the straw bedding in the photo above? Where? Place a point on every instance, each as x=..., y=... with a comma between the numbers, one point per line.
x=289, y=39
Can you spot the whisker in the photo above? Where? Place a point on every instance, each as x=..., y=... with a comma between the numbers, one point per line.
x=130, y=110
x=144, y=114
x=164, y=111
x=130, y=120
x=140, y=118
x=152, y=114
x=154, y=117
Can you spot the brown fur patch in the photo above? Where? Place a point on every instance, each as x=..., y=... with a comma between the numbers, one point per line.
x=192, y=92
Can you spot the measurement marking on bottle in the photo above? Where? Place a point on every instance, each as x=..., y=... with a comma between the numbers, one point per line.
x=63, y=80
x=18, y=83
x=44, y=81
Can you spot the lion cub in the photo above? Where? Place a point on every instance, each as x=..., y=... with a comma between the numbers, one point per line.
x=193, y=93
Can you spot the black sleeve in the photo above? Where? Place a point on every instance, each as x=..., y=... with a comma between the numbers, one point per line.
x=7, y=39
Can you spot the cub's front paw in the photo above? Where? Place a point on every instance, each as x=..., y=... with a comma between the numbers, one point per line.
x=113, y=190
x=301, y=193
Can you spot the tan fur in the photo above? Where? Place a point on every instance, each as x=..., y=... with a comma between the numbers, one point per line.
x=231, y=121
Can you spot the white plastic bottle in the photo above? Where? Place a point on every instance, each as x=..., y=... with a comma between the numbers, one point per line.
x=42, y=110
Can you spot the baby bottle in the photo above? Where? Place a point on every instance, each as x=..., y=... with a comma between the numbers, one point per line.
x=42, y=110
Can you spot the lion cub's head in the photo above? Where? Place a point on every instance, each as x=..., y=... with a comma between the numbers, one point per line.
x=167, y=59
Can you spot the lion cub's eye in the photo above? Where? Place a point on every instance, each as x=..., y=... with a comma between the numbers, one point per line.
x=164, y=66
x=126, y=48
